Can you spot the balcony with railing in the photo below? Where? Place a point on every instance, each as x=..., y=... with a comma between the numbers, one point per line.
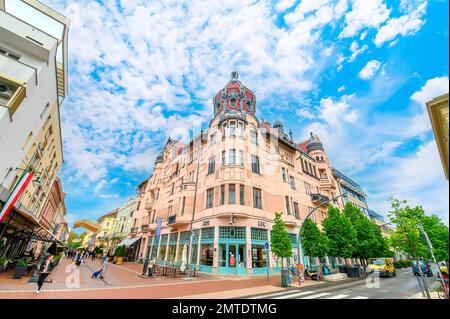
x=144, y=228
x=134, y=230
x=175, y=220
x=149, y=205
x=318, y=198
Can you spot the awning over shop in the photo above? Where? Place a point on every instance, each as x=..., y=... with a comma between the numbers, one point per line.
x=129, y=241
x=29, y=224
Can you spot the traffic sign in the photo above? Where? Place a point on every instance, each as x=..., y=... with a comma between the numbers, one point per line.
x=266, y=246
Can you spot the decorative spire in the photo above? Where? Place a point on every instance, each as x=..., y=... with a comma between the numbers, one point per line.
x=234, y=76
x=290, y=134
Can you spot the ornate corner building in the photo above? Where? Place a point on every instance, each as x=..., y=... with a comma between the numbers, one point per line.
x=225, y=186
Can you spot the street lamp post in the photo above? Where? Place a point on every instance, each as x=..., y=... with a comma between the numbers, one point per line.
x=299, y=238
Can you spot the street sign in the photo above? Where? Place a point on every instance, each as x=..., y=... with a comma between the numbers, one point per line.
x=266, y=246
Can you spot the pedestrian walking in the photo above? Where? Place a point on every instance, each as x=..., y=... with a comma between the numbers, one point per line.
x=102, y=271
x=44, y=271
x=79, y=259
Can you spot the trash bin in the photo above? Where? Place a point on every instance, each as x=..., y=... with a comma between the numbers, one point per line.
x=285, y=278
x=342, y=269
x=353, y=272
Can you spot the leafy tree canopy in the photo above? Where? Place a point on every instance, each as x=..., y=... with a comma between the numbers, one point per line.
x=280, y=241
x=340, y=232
x=407, y=237
x=315, y=242
x=369, y=240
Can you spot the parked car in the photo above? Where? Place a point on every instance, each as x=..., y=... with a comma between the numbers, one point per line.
x=384, y=266
x=426, y=268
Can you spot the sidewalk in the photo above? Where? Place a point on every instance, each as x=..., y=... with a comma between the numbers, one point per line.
x=122, y=281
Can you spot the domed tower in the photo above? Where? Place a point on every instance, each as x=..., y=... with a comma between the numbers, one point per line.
x=234, y=100
x=315, y=150
x=279, y=126
x=314, y=145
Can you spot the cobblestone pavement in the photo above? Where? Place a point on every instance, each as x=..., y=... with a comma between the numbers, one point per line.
x=122, y=281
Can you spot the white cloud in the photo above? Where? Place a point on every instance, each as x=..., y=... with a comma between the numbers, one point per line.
x=356, y=50
x=407, y=24
x=283, y=5
x=364, y=14
x=432, y=88
x=429, y=187
x=369, y=70
x=341, y=88
x=305, y=113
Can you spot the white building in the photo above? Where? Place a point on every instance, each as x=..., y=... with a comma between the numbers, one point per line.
x=33, y=83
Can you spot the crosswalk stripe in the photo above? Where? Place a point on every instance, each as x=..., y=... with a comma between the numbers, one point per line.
x=337, y=297
x=360, y=297
x=294, y=295
x=273, y=294
x=316, y=295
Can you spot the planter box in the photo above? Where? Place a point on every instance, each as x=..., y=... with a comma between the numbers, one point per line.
x=19, y=272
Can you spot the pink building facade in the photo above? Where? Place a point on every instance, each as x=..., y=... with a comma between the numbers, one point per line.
x=221, y=191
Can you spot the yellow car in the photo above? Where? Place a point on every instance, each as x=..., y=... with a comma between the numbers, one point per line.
x=384, y=266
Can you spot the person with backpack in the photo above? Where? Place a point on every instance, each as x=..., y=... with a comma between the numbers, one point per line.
x=44, y=271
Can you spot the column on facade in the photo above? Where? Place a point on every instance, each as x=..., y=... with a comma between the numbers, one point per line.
x=248, y=239
x=177, y=248
x=216, y=248
x=197, y=259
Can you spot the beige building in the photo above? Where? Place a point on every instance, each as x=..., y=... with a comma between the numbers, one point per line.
x=438, y=112
x=105, y=234
x=224, y=187
x=122, y=224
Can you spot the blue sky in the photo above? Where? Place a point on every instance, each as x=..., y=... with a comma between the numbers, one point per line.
x=355, y=72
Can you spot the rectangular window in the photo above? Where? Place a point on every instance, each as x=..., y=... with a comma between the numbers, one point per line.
x=222, y=194
x=209, y=197
x=254, y=137
x=172, y=189
x=223, y=158
x=232, y=157
x=211, y=165
x=283, y=174
x=232, y=128
x=292, y=181
x=257, y=198
x=255, y=164
x=307, y=188
x=288, y=206
x=241, y=194
x=183, y=204
x=241, y=158
x=296, y=211
x=231, y=194
x=212, y=139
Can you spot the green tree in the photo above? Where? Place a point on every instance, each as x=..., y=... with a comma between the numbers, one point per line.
x=340, y=232
x=407, y=236
x=280, y=241
x=438, y=233
x=315, y=242
x=369, y=240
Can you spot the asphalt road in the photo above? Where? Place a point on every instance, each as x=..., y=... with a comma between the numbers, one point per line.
x=403, y=286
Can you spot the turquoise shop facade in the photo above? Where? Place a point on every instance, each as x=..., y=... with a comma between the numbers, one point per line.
x=222, y=249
